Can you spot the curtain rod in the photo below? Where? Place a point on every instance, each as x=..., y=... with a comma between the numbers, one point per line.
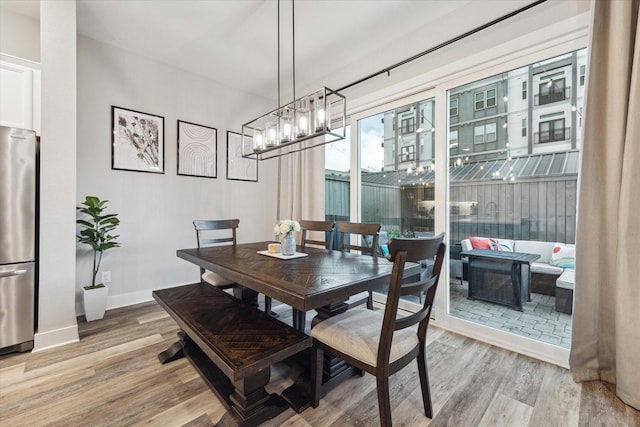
x=387, y=70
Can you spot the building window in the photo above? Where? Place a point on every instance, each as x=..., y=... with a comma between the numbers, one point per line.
x=552, y=91
x=552, y=130
x=485, y=99
x=407, y=153
x=491, y=98
x=408, y=125
x=490, y=132
x=524, y=127
x=582, y=74
x=453, y=107
x=484, y=133
x=453, y=138
x=524, y=90
x=479, y=101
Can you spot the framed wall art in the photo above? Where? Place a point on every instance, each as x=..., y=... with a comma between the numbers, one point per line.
x=197, y=150
x=137, y=141
x=238, y=167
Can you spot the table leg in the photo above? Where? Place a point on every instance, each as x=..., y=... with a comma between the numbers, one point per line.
x=516, y=280
x=175, y=351
x=246, y=400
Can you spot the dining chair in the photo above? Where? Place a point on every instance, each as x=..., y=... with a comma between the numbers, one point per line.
x=326, y=227
x=368, y=245
x=382, y=343
x=216, y=232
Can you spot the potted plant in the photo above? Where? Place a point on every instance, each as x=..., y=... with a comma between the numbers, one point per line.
x=96, y=226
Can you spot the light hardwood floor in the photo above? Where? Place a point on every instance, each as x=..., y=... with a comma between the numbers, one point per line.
x=112, y=377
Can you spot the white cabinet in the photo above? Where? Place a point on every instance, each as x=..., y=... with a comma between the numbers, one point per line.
x=19, y=94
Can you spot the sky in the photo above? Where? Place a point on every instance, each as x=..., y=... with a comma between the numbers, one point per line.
x=371, y=133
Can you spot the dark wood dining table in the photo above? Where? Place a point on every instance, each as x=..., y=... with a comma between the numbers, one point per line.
x=322, y=281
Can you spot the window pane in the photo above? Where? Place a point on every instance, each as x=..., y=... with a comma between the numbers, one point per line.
x=501, y=189
x=337, y=164
x=397, y=173
x=490, y=132
x=453, y=107
x=478, y=133
x=491, y=98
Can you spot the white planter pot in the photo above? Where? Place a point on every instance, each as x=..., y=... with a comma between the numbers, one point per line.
x=95, y=303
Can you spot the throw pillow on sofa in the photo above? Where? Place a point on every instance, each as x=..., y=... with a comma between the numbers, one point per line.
x=563, y=256
x=479, y=242
x=500, y=245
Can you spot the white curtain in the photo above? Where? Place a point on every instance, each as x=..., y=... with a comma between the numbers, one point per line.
x=301, y=185
x=606, y=316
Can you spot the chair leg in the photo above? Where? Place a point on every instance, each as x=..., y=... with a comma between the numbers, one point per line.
x=384, y=403
x=317, y=357
x=370, y=301
x=423, y=373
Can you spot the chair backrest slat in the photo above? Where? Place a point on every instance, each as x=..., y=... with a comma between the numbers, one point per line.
x=321, y=226
x=363, y=229
x=205, y=228
x=410, y=320
x=414, y=288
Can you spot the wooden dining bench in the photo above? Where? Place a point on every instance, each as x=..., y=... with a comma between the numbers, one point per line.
x=232, y=346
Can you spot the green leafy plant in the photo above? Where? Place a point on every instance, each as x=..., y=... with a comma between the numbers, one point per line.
x=96, y=226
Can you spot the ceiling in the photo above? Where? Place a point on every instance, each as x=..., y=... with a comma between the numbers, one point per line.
x=234, y=42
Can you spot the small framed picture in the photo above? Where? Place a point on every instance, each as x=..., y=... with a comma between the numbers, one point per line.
x=238, y=167
x=137, y=141
x=197, y=150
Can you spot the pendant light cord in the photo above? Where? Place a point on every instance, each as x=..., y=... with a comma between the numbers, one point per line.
x=293, y=45
x=278, y=53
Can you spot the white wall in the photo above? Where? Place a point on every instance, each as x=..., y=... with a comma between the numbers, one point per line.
x=156, y=211
x=19, y=36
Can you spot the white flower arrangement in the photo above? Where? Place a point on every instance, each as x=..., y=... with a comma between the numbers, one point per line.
x=286, y=227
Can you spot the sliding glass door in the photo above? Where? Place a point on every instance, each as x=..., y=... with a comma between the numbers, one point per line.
x=494, y=158
x=514, y=142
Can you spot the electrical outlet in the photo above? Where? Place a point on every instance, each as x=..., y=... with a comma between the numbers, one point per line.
x=106, y=276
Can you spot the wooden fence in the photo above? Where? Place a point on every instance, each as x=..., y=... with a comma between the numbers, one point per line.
x=541, y=209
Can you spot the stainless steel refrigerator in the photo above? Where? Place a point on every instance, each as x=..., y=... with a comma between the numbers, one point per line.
x=18, y=168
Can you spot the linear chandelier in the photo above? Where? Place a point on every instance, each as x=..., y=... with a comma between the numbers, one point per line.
x=309, y=121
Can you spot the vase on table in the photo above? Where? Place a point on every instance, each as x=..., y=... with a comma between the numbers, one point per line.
x=288, y=245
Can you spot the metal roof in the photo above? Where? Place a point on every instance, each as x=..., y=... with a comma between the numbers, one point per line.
x=525, y=167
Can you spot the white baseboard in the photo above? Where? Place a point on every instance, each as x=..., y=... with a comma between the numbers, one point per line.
x=56, y=338
x=131, y=298
x=125, y=300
